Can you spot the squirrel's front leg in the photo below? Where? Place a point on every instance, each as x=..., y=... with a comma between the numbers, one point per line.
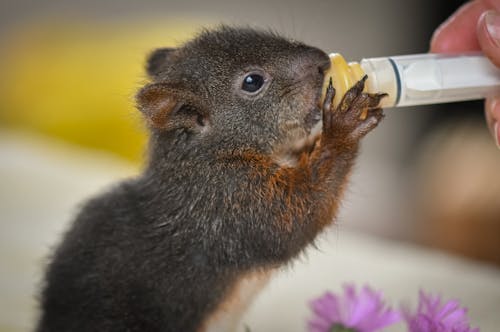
x=315, y=186
x=343, y=127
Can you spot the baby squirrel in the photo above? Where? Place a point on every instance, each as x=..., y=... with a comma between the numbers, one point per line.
x=238, y=182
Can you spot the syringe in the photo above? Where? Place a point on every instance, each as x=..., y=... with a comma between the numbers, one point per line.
x=420, y=79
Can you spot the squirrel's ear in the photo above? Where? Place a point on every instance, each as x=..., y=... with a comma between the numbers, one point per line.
x=164, y=110
x=158, y=60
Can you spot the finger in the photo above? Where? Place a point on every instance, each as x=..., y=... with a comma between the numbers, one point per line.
x=488, y=34
x=375, y=116
x=458, y=32
x=352, y=94
x=375, y=99
x=327, y=106
x=492, y=112
x=330, y=94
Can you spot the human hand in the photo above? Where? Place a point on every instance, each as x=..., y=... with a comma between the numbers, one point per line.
x=474, y=27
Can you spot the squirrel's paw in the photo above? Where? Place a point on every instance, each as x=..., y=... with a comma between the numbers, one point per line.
x=356, y=115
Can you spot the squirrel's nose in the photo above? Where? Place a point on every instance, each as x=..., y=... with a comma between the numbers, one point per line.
x=310, y=62
x=324, y=65
x=318, y=59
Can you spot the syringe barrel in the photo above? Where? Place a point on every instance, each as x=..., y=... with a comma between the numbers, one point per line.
x=424, y=79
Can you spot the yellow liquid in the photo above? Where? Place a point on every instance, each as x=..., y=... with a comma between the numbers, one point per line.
x=344, y=75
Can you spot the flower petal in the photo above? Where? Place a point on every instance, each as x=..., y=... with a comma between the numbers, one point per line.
x=318, y=325
x=364, y=311
x=327, y=306
x=433, y=316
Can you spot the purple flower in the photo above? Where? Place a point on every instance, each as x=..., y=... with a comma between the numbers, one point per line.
x=433, y=316
x=352, y=312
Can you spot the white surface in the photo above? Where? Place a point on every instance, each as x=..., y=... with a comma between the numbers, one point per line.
x=43, y=182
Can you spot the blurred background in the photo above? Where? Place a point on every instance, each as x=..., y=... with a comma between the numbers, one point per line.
x=426, y=190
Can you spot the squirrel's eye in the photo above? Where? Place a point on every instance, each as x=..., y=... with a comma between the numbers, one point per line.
x=252, y=83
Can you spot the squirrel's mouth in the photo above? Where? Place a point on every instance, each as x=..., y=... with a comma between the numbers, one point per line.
x=314, y=118
x=314, y=122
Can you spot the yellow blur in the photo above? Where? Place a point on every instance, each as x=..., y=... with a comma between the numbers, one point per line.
x=77, y=81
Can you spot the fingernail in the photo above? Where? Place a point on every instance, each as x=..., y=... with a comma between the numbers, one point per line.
x=492, y=20
x=496, y=130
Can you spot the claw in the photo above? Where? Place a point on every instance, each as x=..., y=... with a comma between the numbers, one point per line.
x=376, y=98
x=352, y=94
x=373, y=103
x=330, y=94
x=374, y=118
x=327, y=106
x=361, y=83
